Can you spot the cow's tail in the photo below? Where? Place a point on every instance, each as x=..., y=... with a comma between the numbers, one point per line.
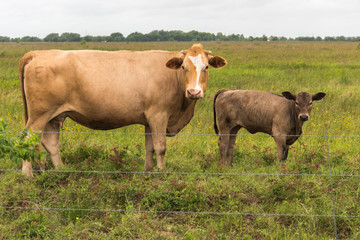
x=23, y=61
x=215, y=97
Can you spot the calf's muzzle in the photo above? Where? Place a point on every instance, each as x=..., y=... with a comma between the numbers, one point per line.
x=304, y=117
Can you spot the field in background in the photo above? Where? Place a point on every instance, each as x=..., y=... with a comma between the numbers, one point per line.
x=281, y=206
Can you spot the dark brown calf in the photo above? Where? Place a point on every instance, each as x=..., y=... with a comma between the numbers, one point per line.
x=280, y=116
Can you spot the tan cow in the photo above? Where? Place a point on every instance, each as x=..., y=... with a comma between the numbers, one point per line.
x=107, y=90
x=257, y=111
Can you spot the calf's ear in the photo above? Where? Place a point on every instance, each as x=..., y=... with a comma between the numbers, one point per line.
x=289, y=95
x=174, y=63
x=318, y=96
x=217, y=62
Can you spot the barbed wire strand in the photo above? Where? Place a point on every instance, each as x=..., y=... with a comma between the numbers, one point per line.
x=178, y=212
x=184, y=173
x=193, y=134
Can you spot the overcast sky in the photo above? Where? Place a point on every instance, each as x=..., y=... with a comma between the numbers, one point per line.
x=289, y=18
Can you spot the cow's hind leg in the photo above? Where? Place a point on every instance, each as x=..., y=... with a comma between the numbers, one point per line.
x=50, y=141
x=149, y=146
x=35, y=126
x=232, y=140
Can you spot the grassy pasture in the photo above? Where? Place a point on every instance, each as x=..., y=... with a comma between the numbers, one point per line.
x=331, y=67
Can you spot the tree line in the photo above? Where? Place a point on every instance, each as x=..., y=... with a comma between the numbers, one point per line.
x=166, y=36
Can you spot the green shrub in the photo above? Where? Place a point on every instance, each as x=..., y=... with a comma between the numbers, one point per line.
x=23, y=147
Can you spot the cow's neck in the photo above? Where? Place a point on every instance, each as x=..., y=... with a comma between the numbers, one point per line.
x=295, y=121
x=184, y=113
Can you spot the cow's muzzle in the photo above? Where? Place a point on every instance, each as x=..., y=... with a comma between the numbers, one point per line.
x=304, y=117
x=194, y=93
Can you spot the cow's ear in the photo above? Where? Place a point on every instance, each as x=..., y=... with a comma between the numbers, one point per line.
x=217, y=62
x=318, y=96
x=289, y=96
x=174, y=63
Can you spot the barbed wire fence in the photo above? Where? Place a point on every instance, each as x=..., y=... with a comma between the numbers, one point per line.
x=330, y=175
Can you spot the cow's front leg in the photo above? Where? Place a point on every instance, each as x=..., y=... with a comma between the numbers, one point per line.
x=158, y=126
x=281, y=146
x=149, y=164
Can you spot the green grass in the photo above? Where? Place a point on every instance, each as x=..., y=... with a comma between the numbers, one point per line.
x=331, y=67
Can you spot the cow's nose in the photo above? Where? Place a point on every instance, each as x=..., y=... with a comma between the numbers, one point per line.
x=304, y=117
x=194, y=93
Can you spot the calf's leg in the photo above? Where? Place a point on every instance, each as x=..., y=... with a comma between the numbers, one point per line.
x=232, y=140
x=223, y=143
x=281, y=146
x=286, y=151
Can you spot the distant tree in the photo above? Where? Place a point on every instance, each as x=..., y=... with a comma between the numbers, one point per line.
x=204, y=36
x=274, y=38
x=180, y=36
x=220, y=36
x=135, y=37
x=89, y=38
x=262, y=38
x=193, y=35
x=70, y=37
x=162, y=35
x=340, y=38
x=17, y=40
x=329, y=39
x=233, y=37
x=155, y=36
x=115, y=37
x=30, y=39
x=4, y=39
x=52, y=37
x=305, y=39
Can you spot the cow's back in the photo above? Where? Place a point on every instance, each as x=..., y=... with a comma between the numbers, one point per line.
x=100, y=89
x=257, y=111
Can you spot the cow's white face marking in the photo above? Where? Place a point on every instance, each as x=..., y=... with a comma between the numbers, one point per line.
x=198, y=63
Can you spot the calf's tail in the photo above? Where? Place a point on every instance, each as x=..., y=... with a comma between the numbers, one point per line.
x=214, y=110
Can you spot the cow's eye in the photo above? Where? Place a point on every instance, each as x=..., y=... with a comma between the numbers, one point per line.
x=297, y=103
x=183, y=68
x=207, y=67
x=310, y=103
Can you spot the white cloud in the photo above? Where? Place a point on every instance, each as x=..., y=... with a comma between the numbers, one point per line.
x=250, y=17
